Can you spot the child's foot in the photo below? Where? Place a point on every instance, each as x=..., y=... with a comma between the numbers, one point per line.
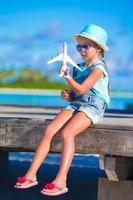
x=25, y=182
x=54, y=188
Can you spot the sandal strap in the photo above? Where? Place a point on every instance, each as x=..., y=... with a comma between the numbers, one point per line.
x=22, y=179
x=51, y=186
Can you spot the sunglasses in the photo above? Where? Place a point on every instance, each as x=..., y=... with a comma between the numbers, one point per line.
x=79, y=47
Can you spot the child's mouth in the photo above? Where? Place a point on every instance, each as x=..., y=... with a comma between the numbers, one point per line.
x=83, y=55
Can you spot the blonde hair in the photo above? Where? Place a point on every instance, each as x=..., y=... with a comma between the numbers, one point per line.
x=101, y=52
x=102, y=55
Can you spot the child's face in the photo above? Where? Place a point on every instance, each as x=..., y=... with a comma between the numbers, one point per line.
x=87, y=48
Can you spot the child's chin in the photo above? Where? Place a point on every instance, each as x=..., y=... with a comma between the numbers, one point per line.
x=84, y=58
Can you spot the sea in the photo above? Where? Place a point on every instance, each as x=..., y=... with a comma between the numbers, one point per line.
x=82, y=177
x=122, y=101
x=84, y=172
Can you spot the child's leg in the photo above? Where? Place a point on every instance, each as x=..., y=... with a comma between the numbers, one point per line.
x=78, y=123
x=44, y=145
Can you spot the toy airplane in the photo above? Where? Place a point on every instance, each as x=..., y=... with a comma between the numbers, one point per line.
x=64, y=58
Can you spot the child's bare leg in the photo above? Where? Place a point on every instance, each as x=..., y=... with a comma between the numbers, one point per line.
x=44, y=145
x=76, y=125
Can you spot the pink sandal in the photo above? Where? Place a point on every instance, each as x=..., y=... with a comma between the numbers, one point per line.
x=51, y=186
x=21, y=180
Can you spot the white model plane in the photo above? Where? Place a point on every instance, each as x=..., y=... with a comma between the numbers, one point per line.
x=64, y=58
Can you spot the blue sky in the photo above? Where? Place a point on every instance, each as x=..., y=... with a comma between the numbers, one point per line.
x=34, y=30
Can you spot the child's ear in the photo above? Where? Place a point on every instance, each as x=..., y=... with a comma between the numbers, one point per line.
x=98, y=51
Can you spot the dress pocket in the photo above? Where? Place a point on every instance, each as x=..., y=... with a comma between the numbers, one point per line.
x=96, y=102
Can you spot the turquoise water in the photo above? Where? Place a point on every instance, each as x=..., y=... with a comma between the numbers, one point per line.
x=32, y=100
x=118, y=102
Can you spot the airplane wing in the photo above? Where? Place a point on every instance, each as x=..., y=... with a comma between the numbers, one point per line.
x=69, y=60
x=57, y=58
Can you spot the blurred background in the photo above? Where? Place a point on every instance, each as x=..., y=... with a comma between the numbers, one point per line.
x=33, y=31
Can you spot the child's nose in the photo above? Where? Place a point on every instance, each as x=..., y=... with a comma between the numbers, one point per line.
x=82, y=49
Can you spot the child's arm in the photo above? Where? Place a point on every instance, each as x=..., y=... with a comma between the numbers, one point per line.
x=80, y=89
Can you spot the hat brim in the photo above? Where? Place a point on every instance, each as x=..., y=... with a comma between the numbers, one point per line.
x=104, y=47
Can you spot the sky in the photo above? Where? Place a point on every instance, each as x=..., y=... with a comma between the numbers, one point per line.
x=33, y=31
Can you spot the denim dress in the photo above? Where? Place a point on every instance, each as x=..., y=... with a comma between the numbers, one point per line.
x=89, y=103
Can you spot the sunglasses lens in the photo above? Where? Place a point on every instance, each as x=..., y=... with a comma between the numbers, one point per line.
x=78, y=47
x=86, y=47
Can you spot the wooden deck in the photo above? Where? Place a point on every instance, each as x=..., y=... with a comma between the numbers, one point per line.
x=22, y=127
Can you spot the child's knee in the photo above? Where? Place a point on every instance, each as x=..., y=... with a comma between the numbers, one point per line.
x=49, y=131
x=67, y=134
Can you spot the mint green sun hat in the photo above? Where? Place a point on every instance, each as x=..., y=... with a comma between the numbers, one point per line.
x=96, y=34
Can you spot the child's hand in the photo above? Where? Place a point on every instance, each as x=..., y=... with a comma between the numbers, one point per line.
x=67, y=73
x=65, y=94
x=62, y=69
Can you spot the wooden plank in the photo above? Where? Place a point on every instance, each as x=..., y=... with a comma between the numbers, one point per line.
x=24, y=134
x=118, y=120
x=112, y=190
x=117, y=167
x=22, y=127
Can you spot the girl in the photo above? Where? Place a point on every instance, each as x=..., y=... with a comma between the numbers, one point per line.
x=88, y=96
